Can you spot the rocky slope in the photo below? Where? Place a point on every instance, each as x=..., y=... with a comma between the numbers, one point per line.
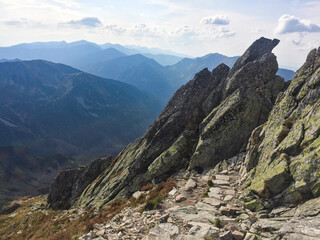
x=283, y=157
x=207, y=120
x=195, y=211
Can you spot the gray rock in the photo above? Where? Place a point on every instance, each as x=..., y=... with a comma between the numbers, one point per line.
x=221, y=182
x=158, y=233
x=228, y=198
x=173, y=191
x=213, y=202
x=250, y=236
x=188, y=237
x=222, y=177
x=170, y=228
x=215, y=190
x=205, y=207
x=214, y=195
x=204, y=231
x=180, y=198
x=137, y=194
x=69, y=184
x=237, y=235
x=226, y=236
x=191, y=184
x=100, y=233
x=303, y=227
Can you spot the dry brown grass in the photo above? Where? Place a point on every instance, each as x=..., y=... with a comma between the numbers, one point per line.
x=157, y=194
x=44, y=223
x=146, y=186
x=113, y=208
x=47, y=224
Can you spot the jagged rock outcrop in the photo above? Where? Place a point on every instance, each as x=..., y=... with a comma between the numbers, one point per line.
x=244, y=100
x=69, y=184
x=283, y=158
x=207, y=120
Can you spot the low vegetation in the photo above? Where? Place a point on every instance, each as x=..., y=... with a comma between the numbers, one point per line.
x=157, y=194
x=34, y=220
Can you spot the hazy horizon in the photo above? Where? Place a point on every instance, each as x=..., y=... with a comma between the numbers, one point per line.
x=193, y=28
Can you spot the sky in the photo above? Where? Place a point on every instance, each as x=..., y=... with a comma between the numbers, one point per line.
x=191, y=27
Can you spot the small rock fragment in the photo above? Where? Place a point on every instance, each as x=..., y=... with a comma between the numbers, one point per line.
x=180, y=198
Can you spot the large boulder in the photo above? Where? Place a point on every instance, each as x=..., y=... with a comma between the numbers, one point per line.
x=283, y=157
x=69, y=184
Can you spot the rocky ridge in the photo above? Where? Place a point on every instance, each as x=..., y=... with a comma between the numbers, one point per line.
x=207, y=120
x=266, y=189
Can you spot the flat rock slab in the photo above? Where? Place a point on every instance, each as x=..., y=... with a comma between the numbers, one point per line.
x=183, y=210
x=213, y=202
x=170, y=228
x=188, y=237
x=303, y=227
x=222, y=177
x=215, y=190
x=230, y=192
x=221, y=182
x=204, y=231
x=158, y=233
x=215, y=195
x=191, y=214
x=228, y=198
x=205, y=207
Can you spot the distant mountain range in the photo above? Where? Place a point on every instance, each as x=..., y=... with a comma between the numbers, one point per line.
x=53, y=108
x=286, y=74
x=75, y=53
x=158, y=72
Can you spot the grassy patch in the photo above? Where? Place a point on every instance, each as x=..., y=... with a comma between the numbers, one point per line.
x=210, y=183
x=205, y=194
x=157, y=194
x=217, y=223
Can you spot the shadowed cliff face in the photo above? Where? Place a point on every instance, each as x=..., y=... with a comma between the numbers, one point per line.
x=207, y=120
x=283, y=157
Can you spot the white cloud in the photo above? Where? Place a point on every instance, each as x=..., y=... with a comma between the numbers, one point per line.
x=115, y=29
x=24, y=22
x=89, y=22
x=291, y=24
x=216, y=20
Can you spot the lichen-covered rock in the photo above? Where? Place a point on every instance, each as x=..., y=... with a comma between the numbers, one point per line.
x=283, y=155
x=69, y=184
x=248, y=96
x=165, y=148
x=207, y=120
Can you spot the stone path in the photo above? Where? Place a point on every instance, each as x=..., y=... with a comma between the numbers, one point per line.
x=195, y=211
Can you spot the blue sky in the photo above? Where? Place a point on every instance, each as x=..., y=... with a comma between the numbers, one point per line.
x=194, y=27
